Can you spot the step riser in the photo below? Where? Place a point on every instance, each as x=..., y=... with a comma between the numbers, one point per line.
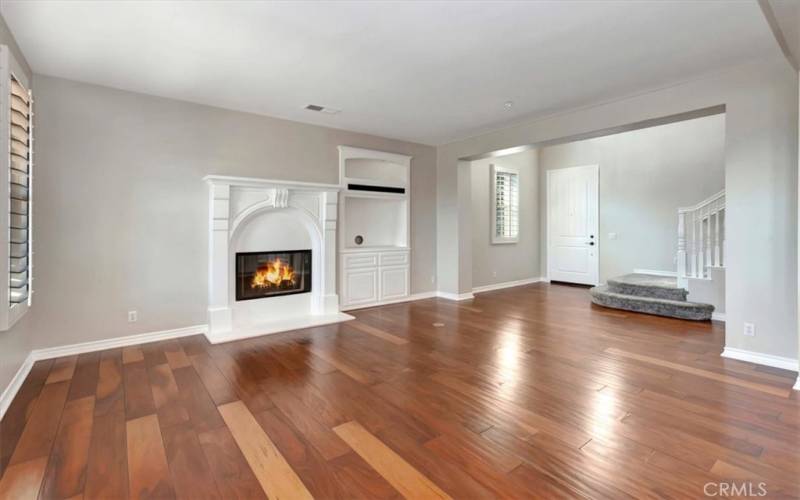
x=679, y=294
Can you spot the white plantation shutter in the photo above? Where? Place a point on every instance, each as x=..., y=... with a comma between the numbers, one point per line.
x=19, y=194
x=505, y=198
x=16, y=131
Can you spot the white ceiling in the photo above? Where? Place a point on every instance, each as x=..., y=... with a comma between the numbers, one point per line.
x=430, y=72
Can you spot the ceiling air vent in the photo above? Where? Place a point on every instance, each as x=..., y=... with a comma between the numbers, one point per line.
x=322, y=109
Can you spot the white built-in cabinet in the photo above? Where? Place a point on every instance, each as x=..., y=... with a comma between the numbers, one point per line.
x=374, y=213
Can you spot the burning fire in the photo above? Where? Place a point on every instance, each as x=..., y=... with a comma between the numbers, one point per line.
x=274, y=274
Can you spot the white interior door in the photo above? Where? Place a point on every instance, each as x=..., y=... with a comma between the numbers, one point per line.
x=572, y=220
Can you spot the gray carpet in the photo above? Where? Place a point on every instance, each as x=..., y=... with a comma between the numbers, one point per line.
x=650, y=294
x=648, y=285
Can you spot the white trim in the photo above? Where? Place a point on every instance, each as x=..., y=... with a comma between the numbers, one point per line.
x=760, y=359
x=350, y=152
x=797, y=384
x=455, y=296
x=507, y=284
x=286, y=325
x=227, y=180
x=670, y=274
x=718, y=317
x=16, y=382
x=100, y=345
x=408, y=298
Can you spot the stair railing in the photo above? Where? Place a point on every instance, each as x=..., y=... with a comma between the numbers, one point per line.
x=701, y=238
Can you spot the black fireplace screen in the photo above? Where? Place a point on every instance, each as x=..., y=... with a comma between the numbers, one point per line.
x=269, y=274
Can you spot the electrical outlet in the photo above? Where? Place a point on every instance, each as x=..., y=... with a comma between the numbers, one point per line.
x=749, y=330
x=133, y=316
x=494, y=274
x=612, y=236
x=433, y=279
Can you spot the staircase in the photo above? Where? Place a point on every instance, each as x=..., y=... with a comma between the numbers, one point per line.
x=700, y=271
x=650, y=294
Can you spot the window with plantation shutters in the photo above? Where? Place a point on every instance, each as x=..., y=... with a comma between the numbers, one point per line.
x=19, y=199
x=15, y=252
x=505, y=204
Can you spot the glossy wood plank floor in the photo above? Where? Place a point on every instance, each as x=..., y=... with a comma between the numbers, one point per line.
x=525, y=392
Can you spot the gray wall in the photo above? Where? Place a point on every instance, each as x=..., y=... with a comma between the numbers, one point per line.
x=645, y=175
x=121, y=210
x=15, y=344
x=761, y=104
x=507, y=262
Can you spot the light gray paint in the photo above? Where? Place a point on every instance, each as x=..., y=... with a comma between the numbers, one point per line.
x=15, y=344
x=427, y=71
x=121, y=210
x=645, y=176
x=514, y=261
x=761, y=101
x=783, y=17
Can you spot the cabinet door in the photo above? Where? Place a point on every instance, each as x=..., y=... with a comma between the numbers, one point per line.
x=360, y=286
x=394, y=282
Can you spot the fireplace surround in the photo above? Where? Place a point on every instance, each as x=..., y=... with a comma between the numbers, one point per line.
x=249, y=217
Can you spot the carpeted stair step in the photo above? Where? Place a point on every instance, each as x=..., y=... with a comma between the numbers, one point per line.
x=603, y=296
x=648, y=285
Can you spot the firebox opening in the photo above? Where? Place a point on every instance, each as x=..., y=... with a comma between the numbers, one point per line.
x=270, y=274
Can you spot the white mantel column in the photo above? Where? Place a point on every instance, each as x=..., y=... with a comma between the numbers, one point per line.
x=329, y=205
x=220, y=317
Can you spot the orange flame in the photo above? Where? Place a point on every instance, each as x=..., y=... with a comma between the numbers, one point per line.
x=273, y=275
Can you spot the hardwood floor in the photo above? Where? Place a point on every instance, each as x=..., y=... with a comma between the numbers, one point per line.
x=523, y=392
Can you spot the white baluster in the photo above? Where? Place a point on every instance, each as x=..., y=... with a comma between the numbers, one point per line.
x=723, y=247
x=709, y=240
x=701, y=249
x=681, y=260
x=717, y=256
x=704, y=245
x=693, y=247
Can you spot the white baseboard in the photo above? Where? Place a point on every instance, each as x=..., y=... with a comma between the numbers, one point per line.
x=412, y=297
x=671, y=274
x=507, y=284
x=718, y=317
x=455, y=296
x=448, y=295
x=760, y=359
x=286, y=325
x=101, y=345
x=797, y=384
x=15, y=384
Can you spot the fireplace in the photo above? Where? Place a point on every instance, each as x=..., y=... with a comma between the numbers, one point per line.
x=271, y=274
x=251, y=221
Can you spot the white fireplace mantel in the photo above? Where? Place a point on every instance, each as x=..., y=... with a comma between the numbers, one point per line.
x=241, y=211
